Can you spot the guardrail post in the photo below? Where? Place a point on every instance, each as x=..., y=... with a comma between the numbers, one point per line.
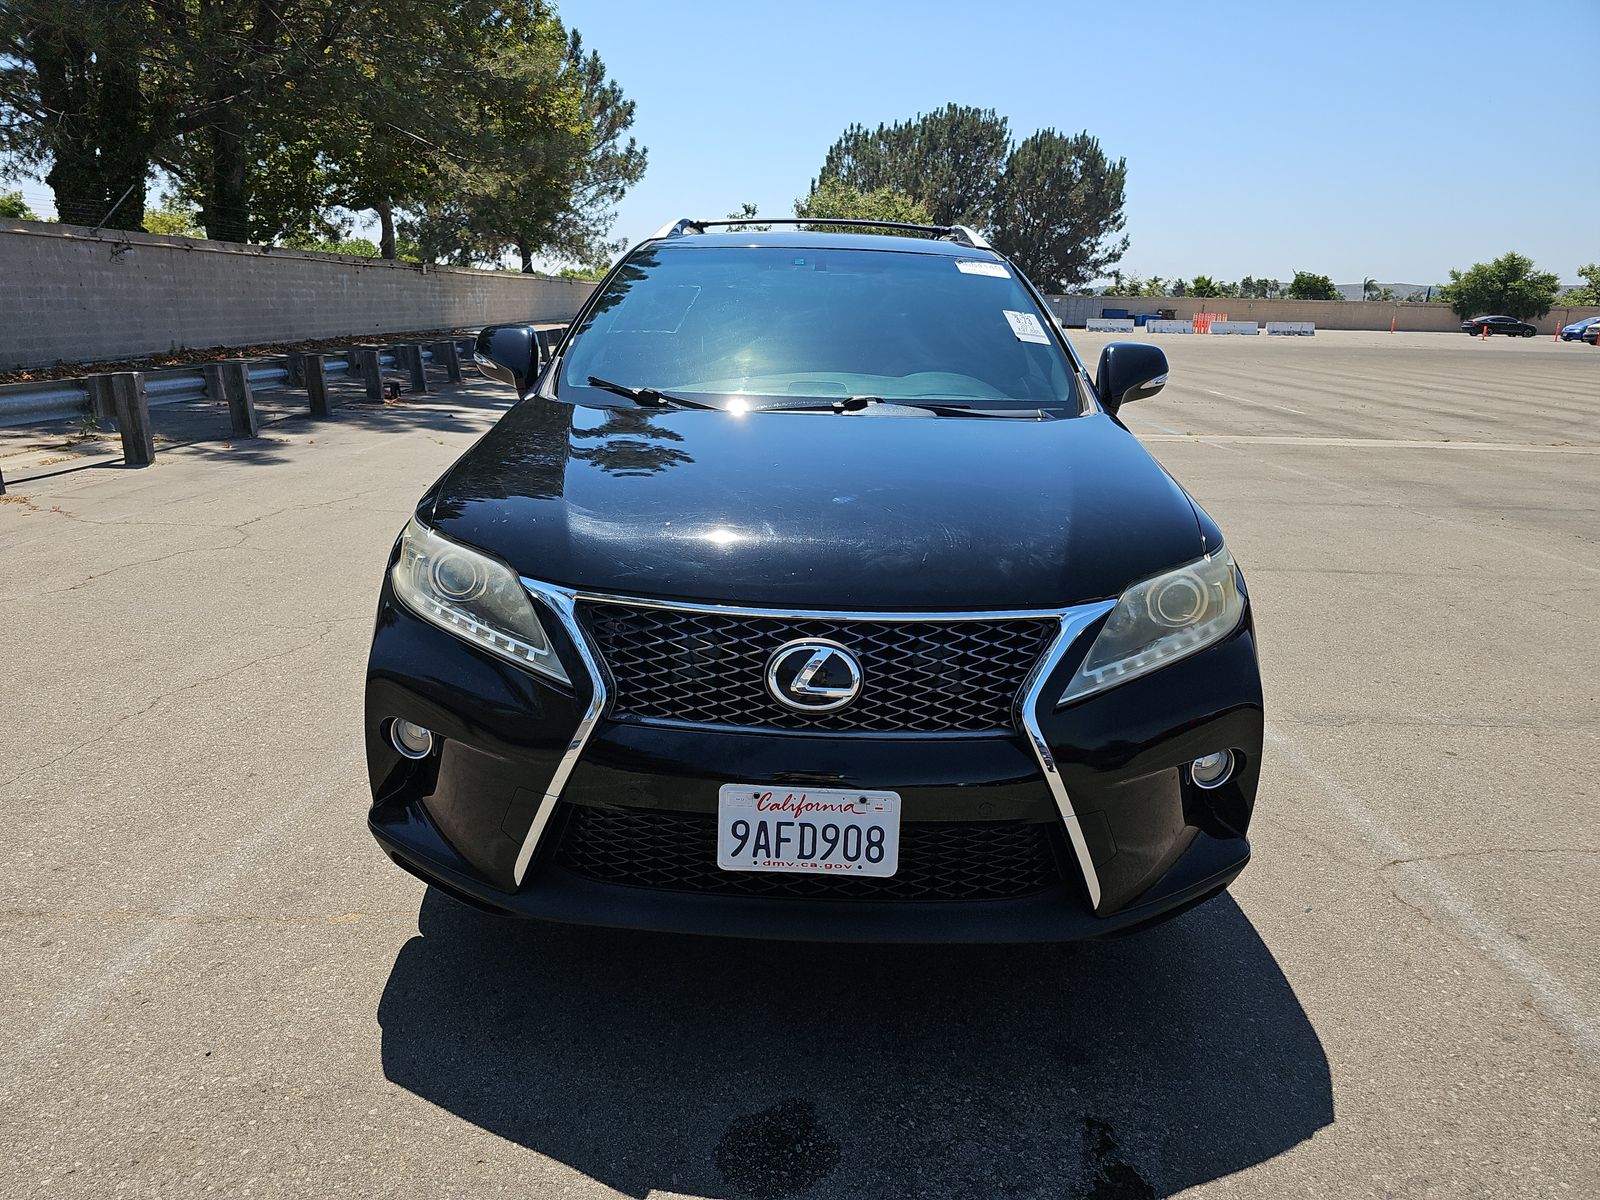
x=2, y=483
x=102, y=405
x=133, y=418
x=241, y=403
x=444, y=353
x=216, y=388
x=413, y=356
x=316, y=381
x=372, y=372
x=297, y=369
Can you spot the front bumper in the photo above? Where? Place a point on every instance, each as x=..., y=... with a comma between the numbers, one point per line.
x=1155, y=844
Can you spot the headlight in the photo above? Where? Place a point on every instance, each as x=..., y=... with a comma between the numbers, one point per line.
x=472, y=596
x=1159, y=621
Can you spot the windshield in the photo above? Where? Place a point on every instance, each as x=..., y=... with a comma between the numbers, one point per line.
x=777, y=321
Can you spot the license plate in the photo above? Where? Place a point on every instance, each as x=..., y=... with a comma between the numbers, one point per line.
x=822, y=832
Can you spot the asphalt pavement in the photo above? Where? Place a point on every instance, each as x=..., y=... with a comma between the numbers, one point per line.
x=214, y=983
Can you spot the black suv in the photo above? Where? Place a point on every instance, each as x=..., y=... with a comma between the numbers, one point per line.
x=814, y=590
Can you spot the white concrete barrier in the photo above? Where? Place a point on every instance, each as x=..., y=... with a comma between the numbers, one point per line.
x=1234, y=327
x=1119, y=324
x=1169, y=326
x=1292, y=328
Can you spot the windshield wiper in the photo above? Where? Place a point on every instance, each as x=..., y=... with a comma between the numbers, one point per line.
x=649, y=397
x=857, y=403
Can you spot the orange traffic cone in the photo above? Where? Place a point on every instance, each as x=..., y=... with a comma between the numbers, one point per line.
x=1485, y=333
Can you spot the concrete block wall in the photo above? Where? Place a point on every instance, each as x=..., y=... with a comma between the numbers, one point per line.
x=70, y=294
x=1328, y=314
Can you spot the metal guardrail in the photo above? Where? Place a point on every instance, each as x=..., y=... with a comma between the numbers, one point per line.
x=63, y=399
x=128, y=396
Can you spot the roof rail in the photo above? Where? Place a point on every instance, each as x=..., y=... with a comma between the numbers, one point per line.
x=961, y=234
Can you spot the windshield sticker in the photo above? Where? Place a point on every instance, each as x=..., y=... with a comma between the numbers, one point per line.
x=1026, y=326
x=968, y=267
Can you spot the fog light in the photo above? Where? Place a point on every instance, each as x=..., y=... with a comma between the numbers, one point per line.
x=410, y=739
x=1212, y=770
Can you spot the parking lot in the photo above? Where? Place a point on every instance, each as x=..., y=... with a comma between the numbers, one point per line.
x=215, y=983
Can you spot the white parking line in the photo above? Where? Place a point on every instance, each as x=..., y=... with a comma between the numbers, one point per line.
x=1257, y=403
x=1550, y=996
x=1157, y=425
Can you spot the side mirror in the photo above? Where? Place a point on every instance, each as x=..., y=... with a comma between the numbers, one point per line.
x=509, y=353
x=1129, y=371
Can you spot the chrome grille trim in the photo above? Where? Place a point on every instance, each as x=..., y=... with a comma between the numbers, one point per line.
x=936, y=675
x=1071, y=623
x=560, y=601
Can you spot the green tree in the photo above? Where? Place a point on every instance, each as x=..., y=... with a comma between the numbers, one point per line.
x=1053, y=202
x=15, y=208
x=745, y=216
x=545, y=160
x=951, y=161
x=1588, y=292
x=1204, y=285
x=173, y=218
x=834, y=200
x=1179, y=288
x=1060, y=209
x=352, y=247
x=1369, y=288
x=273, y=118
x=1258, y=289
x=1508, y=285
x=72, y=104
x=599, y=166
x=1306, y=286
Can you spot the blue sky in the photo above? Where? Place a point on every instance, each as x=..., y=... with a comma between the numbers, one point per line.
x=1395, y=140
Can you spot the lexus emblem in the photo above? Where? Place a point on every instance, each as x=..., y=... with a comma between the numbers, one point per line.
x=813, y=676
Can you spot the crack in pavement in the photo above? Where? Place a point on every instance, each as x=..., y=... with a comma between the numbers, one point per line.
x=240, y=529
x=1566, y=1012
x=327, y=631
x=143, y=562
x=1446, y=856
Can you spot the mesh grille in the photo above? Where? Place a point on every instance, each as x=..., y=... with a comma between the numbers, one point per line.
x=958, y=676
x=938, y=861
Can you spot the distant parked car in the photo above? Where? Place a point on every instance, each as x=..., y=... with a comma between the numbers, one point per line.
x=1507, y=325
x=1592, y=334
x=1575, y=331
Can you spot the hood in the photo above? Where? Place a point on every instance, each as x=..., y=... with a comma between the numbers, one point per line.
x=867, y=511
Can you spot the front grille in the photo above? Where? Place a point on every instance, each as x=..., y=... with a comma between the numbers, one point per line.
x=938, y=860
x=955, y=676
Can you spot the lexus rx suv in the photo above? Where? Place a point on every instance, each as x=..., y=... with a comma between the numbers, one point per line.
x=812, y=589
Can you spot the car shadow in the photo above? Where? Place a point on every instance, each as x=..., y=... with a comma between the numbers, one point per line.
x=1128, y=1068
